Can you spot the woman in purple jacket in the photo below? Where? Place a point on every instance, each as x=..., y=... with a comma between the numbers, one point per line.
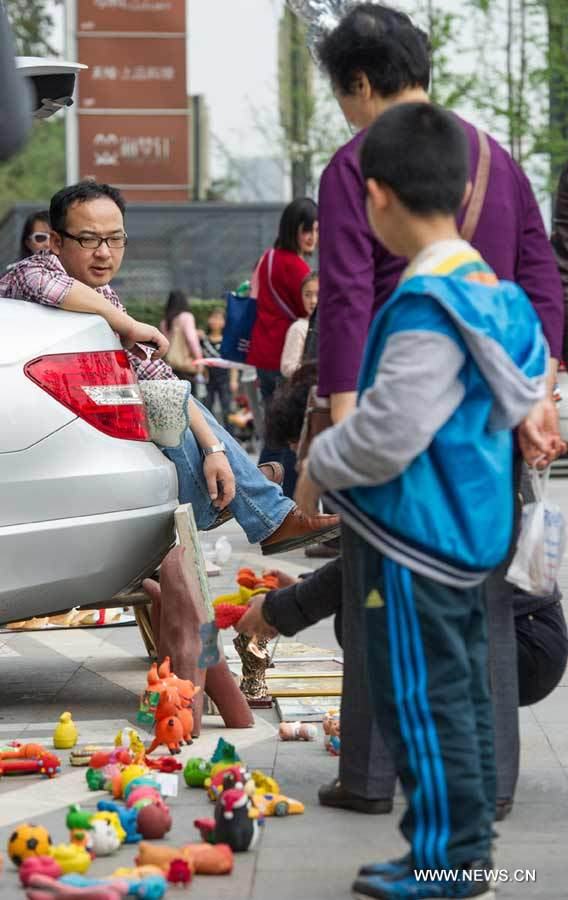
x=376, y=57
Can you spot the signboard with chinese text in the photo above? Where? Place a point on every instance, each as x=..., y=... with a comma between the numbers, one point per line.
x=136, y=73
x=148, y=155
x=131, y=15
x=133, y=119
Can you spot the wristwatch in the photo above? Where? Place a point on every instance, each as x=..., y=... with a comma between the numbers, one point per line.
x=214, y=448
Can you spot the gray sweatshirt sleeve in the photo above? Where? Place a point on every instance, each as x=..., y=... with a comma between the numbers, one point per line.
x=15, y=108
x=416, y=391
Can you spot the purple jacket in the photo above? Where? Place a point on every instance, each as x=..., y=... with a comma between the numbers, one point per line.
x=358, y=275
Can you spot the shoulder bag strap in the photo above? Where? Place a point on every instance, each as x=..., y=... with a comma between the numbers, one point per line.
x=478, y=194
x=279, y=301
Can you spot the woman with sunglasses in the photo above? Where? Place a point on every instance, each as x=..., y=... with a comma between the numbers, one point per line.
x=36, y=234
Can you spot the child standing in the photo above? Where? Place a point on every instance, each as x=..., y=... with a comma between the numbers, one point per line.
x=421, y=472
x=293, y=351
x=221, y=383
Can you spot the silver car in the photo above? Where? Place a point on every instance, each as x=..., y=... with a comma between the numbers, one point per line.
x=86, y=501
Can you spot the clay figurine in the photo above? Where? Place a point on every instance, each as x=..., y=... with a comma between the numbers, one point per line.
x=28, y=840
x=231, y=777
x=72, y=858
x=236, y=822
x=78, y=822
x=196, y=771
x=179, y=872
x=203, y=859
x=154, y=821
x=104, y=837
x=128, y=819
x=38, y=865
x=65, y=735
x=297, y=731
x=169, y=729
x=113, y=820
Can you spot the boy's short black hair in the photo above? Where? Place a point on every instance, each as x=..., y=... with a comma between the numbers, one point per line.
x=80, y=193
x=422, y=153
x=384, y=44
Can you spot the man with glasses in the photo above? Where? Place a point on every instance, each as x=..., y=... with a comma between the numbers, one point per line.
x=87, y=249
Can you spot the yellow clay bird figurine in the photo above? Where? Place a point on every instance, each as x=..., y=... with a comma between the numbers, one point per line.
x=65, y=734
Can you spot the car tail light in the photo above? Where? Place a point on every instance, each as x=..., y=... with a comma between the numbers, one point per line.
x=99, y=387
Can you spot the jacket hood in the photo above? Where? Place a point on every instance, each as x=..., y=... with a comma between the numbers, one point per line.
x=503, y=334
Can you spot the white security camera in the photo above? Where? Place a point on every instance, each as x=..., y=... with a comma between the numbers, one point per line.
x=52, y=82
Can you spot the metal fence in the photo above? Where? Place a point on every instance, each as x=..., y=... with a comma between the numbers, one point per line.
x=205, y=249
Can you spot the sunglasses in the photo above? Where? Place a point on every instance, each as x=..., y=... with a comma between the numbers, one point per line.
x=40, y=237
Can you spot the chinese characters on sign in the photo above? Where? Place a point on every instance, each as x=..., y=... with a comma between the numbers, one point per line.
x=134, y=118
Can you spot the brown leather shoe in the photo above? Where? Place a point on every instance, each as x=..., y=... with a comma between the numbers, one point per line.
x=298, y=529
x=272, y=471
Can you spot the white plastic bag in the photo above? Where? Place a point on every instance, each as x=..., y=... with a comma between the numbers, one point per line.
x=542, y=541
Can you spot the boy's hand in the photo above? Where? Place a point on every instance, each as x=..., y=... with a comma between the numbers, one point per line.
x=539, y=435
x=307, y=493
x=220, y=480
x=135, y=332
x=253, y=622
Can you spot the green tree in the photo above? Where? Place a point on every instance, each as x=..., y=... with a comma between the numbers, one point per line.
x=38, y=171
x=32, y=24
x=297, y=103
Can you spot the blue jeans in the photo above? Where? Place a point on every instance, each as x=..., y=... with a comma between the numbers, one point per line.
x=259, y=506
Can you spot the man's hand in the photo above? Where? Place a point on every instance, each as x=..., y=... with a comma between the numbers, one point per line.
x=135, y=332
x=342, y=405
x=253, y=622
x=539, y=435
x=220, y=480
x=283, y=579
x=308, y=492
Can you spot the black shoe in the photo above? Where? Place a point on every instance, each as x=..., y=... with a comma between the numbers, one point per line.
x=335, y=795
x=392, y=869
x=502, y=809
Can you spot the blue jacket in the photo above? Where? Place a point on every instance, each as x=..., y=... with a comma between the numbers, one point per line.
x=449, y=513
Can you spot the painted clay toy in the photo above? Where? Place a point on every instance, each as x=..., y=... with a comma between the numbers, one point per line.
x=65, y=735
x=72, y=858
x=96, y=779
x=169, y=729
x=42, y=887
x=264, y=784
x=129, y=739
x=104, y=839
x=143, y=796
x=203, y=859
x=164, y=764
x=225, y=753
x=235, y=823
x=179, y=872
x=128, y=819
x=151, y=888
x=112, y=819
x=154, y=821
x=47, y=765
x=147, y=780
x=232, y=777
x=81, y=756
x=297, y=731
x=129, y=774
x=78, y=822
x=28, y=840
x=196, y=771
x=38, y=865
x=277, y=805
x=334, y=745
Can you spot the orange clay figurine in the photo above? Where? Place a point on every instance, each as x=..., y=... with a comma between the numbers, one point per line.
x=169, y=729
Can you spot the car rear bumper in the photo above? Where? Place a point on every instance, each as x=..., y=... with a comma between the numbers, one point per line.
x=78, y=561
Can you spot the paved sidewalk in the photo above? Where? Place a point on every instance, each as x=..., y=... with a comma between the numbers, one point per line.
x=98, y=675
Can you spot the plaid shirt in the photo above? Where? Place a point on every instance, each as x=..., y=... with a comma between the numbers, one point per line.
x=42, y=279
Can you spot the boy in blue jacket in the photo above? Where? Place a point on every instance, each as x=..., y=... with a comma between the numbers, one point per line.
x=422, y=472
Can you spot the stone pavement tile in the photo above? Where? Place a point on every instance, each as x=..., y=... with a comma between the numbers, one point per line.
x=304, y=882
x=554, y=709
x=536, y=750
x=558, y=737
x=539, y=785
x=542, y=821
x=548, y=862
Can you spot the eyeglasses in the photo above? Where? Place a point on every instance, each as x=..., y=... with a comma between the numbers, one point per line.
x=93, y=242
x=40, y=237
